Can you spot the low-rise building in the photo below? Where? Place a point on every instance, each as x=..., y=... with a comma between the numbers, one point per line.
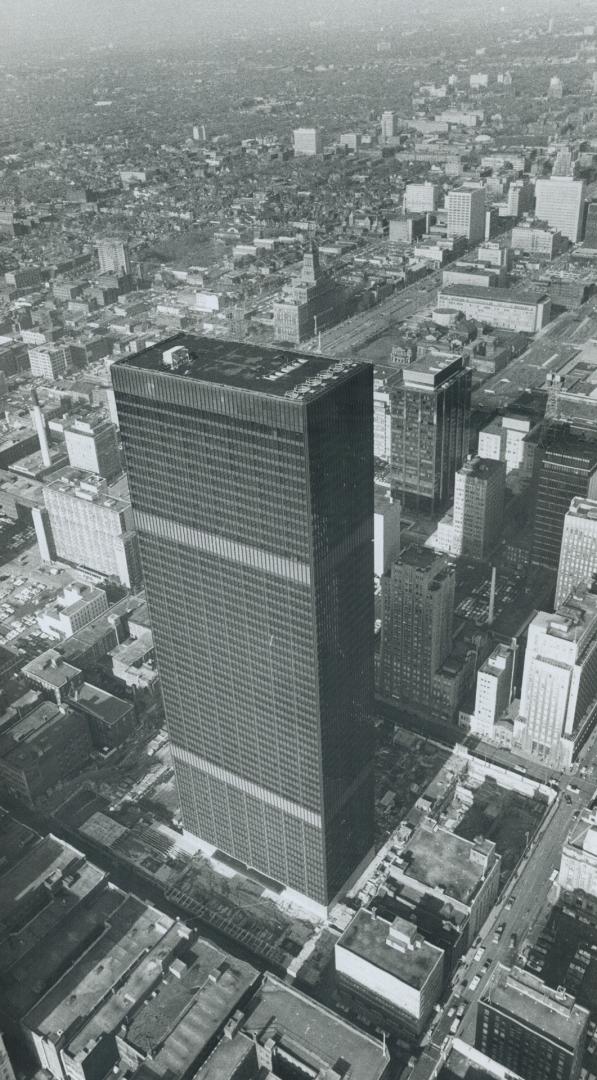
x=392, y=969
x=538, y=240
x=111, y=720
x=77, y=605
x=507, y=309
x=440, y=864
x=578, y=864
x=42, y=750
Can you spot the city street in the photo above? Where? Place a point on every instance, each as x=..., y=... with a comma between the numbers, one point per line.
x=528, y=895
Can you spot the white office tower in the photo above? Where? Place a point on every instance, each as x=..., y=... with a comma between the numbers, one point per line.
x=113, y=256
x=466, y=213
x=388, y=125
x=478, y=507
x=92, y=445
x=560, y=202
x=307, y=142
x=595, y=82
x=421, y=198
x=382, y=421
x=557, y=702
x=494, y=689
x=578, y=554
x=564, y=161
x=555, y=89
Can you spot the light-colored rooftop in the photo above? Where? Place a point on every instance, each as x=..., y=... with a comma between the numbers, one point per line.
x=529, y=1000
x=395, y=947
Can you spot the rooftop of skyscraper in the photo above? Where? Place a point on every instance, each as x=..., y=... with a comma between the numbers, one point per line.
x=482, y=468
x=86, y=486
x=583, y=508
x=524, y=996
x=243, y=366
x=429, y=371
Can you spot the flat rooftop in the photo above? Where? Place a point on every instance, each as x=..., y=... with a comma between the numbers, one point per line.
x=48, y=857
x=442, y=860
x=50, y=667
x=367, y=937
x=431, y=370
x=482, y=468
x=244, y=366
x=190, y=1007
x=583, y=835
x=134, y=930
x=574, y=617
x=310, y=1030
x=87, y=487
x=528, y=999
x=503, y=296
x=100, y=704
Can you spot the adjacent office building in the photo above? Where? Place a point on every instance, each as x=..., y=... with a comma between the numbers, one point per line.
x=493, y=692
x=507, y=309
x=578, y=553
x=418, y=612
x=430, y=403
x=558, y=699
x=560, y=201
x=251, y=478
x=590, y=238
x=91, y=526
x=421, y=198
x=478, y=507
x=578, y=865
x=507, y=438
x=113, y=257
x=92, y=445
x=49, y=361
x=536, y=1032
x=541, y=242
x=466, y=213
x=312, y=302
x=307, y=142
x=391, y=969
x=568, y=468
x=388, y=125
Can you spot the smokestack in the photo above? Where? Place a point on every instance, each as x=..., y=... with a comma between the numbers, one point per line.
x=40, y=426
x=491, y=614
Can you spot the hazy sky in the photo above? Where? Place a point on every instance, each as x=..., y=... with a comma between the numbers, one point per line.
x=51, y=23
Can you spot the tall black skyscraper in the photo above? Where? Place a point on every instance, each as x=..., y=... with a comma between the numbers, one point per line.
x=251, y=478
x=567, y=469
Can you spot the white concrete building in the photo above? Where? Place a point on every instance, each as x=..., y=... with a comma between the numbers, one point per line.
x=560, y=202
x=478, y=507
x=578, y=554
x=388, y=125
x=421, y=198
x=466, y=213
x=505, y=439
x=494, y=688
x=307, y=142
x=578, y=865
x=557, y=701
x=48, y=361
x=91, y=527
x=391, y=968
x=382, y=421
x=76, y=606
x=506, y=309
x=92, y=445
x=386, y=533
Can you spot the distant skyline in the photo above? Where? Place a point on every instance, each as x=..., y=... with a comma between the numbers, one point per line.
x=35, y=24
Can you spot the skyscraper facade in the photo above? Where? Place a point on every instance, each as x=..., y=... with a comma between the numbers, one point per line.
x=251, y=477
x=113, y=256
x=418, y=612
x=560, y=201
x=466, y=213
x=430, y=405
x=568, y=468
x=478, y=507
x=559, y=683
x=578, y=553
